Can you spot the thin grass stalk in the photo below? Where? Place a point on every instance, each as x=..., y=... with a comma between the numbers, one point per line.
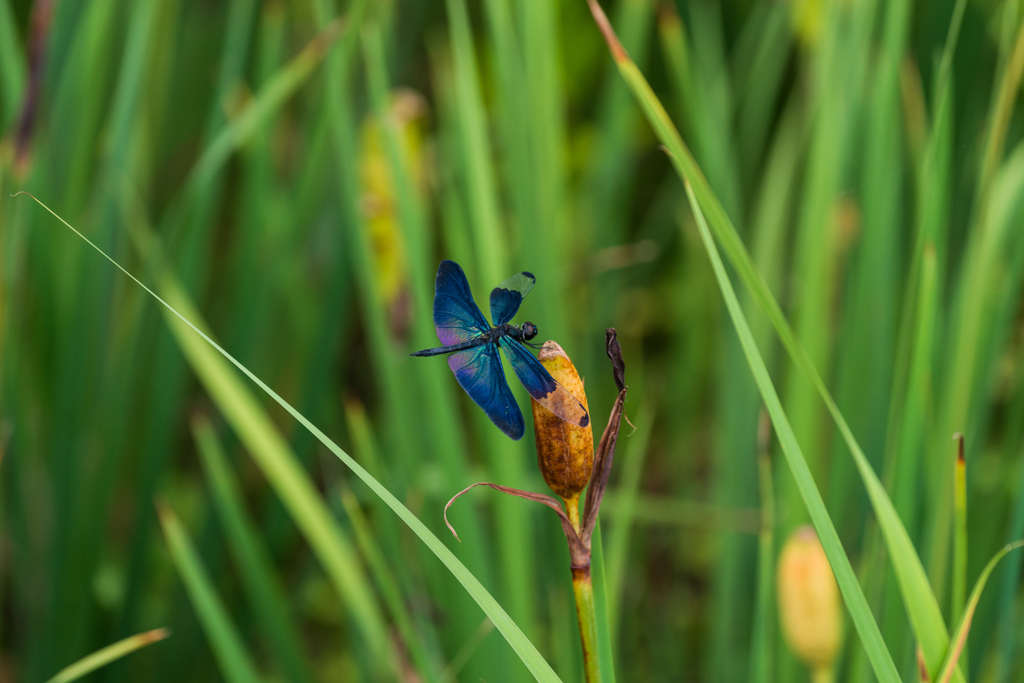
x=959, y=593
x=959, y=639
x=761, y=82
x=763, y=639
x=264, y=590
x=108, y=654
x=511, y=111
x=628, y=498
x=13, y=69
x=1008, y=617
x=259, y=209
x=547, y=143
x=606, y=638
x=228, y=647
x=389, y=588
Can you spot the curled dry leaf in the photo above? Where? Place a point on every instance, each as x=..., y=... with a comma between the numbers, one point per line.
x=606, y=447
x=576, y=547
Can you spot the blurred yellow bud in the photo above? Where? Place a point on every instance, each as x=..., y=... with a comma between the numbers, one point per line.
x=809, y=600
x=565, y=452
x=379, y=200
x=806, y=17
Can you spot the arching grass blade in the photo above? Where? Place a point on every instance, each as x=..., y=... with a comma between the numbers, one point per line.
x=110, y=653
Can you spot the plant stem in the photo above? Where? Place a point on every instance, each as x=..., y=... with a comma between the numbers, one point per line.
x=822, y=674
x=572, y=508
x=584, y=590
x=586, y=612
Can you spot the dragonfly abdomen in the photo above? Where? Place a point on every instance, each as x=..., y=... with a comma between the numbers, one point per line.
x=468, y=344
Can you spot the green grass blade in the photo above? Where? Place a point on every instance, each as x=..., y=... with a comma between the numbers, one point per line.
x=275, y=92
x=476, y=148
x=921, y=603
x=110, y=653
x=959, y=593
x=856, y=603
x=959, y=641
x=523, y=647
x=628, y=498
x=547, y=144
x=1007, y=634
x=256, y=569
x=1002, y=110
x=704, y=96
x=235, y=662
x=761, y=661
x=13, y=68
x=451, y=672
x=605, y=633
x=388, y=585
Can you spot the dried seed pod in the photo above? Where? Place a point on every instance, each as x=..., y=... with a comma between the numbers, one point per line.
x=809, y=600
x=565, y=452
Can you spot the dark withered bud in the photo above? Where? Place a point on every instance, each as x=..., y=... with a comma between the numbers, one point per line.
x=565, y=452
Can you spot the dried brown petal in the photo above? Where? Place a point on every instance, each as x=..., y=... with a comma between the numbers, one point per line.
x=579, y=553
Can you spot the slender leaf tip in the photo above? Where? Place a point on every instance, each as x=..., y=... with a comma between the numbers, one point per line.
x=959, y=438
x=618, y=52
x=155, y=635
x=922, y=667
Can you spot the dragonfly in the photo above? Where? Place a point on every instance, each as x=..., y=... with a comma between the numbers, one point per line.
x=473, y=345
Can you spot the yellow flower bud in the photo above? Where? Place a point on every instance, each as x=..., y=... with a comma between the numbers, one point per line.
x=565, y=452
x=809, y=600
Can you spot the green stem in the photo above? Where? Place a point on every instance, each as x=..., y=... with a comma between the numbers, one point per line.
x=584, y=590
x=959, y=590
x=822, y=674
x=586, y=612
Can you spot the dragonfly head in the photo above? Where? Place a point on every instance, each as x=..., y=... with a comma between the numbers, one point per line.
x=529, y=330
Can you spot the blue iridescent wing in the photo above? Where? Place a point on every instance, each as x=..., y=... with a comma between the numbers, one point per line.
x=542, y=386
x=479, y=372
x=508, y=296
x=456, y=316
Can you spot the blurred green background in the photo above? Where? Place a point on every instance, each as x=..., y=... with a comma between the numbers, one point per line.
x=290, y=173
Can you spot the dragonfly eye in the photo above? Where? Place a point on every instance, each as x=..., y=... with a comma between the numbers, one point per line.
x=529, y=330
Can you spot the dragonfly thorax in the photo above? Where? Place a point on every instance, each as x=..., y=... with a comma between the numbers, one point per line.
x=524, y=332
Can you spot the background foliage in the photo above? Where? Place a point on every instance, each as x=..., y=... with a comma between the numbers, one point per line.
x=293, y=181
